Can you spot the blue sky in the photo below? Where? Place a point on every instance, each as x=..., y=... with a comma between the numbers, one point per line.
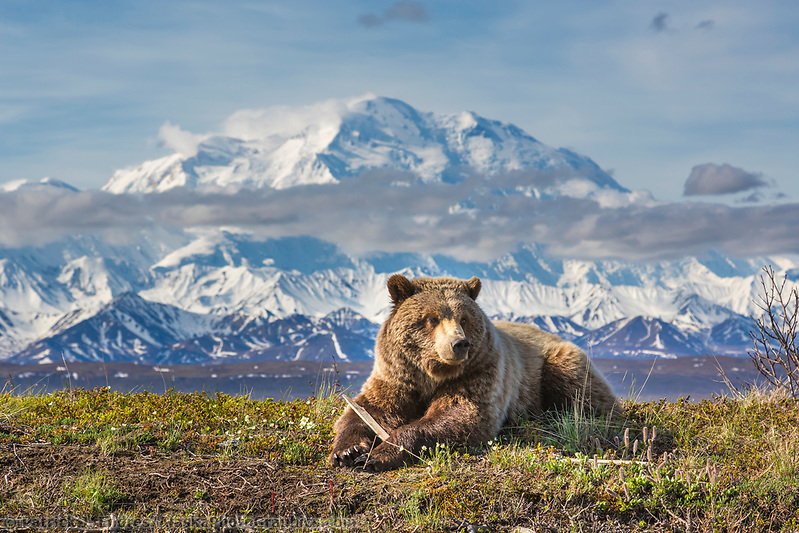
x=649, y=89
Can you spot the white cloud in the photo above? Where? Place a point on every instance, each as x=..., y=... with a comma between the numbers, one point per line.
x=287, y=121
x=272, y=126
x=179, y=140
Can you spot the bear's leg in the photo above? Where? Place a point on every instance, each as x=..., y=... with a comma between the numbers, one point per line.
x=454, y=420
x=568, y=376
x=390, y=406
x=353, y=437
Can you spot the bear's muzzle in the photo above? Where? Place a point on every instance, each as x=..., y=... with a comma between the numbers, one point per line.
x=460, y=347
x=452, y=344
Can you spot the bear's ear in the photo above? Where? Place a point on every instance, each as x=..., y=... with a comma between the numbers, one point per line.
x=400, y=288
x=473, y=287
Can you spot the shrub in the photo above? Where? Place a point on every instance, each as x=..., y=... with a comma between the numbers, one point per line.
x=774, y=338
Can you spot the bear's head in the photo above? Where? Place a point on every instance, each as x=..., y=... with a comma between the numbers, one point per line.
x=434, y=324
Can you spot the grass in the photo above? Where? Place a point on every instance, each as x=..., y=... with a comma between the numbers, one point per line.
x=725, y=464
x=92, y=494
x=203, y=423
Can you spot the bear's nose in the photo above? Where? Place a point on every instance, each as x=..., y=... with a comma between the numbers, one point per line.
x=460, y=347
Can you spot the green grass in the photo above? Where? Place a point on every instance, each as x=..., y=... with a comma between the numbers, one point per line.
x=726, y=464
x=200, y=422
x=92, y=494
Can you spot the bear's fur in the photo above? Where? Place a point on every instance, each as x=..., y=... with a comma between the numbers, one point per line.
x=445, y=373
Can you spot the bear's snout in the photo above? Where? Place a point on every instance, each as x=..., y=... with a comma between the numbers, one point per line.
x=452, y=344
x=460, y=347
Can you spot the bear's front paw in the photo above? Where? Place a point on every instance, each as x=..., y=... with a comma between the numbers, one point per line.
x=348, y=457
x=382, y=458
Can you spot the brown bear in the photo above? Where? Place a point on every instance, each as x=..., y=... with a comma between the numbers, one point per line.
x=445, y=373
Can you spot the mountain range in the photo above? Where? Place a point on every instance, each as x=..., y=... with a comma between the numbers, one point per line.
x=205, y=294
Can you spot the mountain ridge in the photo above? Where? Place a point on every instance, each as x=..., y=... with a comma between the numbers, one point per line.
x=247, y=290
x=213, y=294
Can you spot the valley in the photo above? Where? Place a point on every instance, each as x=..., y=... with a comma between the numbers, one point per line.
x=640, y=380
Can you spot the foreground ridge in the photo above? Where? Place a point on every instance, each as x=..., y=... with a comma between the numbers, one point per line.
x=145, y=458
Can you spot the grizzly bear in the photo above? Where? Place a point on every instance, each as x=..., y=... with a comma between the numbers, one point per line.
x=444, y=373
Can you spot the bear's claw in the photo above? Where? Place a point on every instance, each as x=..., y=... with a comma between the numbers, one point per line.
x=360, y=457
x=348, y=457
x=368, y=464
x=378, y=462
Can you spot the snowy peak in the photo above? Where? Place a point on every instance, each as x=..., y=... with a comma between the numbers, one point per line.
x=732, y=335
x=230, y=297
x=136, y=330
x=335, y=140
x=127, y=329
x=215, y=295
x=225, y=249
x=559, y=325
x=222, y=294
x=43, y=184
x=641, y=337
x=695, y=312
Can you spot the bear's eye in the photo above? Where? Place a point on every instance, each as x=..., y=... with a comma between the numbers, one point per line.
x=432, y=321
x=464, y=322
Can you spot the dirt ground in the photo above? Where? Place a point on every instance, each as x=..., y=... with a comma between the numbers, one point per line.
x=181, y=491
x=164, y=488
x=185, y=492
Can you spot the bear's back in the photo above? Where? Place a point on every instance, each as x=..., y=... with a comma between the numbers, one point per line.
x=523, y=348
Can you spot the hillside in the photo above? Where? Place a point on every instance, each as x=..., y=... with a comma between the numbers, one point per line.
x=93, y=459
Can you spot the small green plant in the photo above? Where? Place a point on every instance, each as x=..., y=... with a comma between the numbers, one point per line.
x=296, y=453
x=574, y=430
x=325, y=400
x=10, y=406
x=421, y=512
x=438, y=459
x=93, y=494
x=174, y=436
x=508, y=456
x=109, y=440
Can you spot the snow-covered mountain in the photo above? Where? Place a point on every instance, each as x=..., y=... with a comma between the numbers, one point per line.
x=204, y=295
x=44, y=183
x=337, y=140
x=232, y=297
x=641, y=336
x=136, y=330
